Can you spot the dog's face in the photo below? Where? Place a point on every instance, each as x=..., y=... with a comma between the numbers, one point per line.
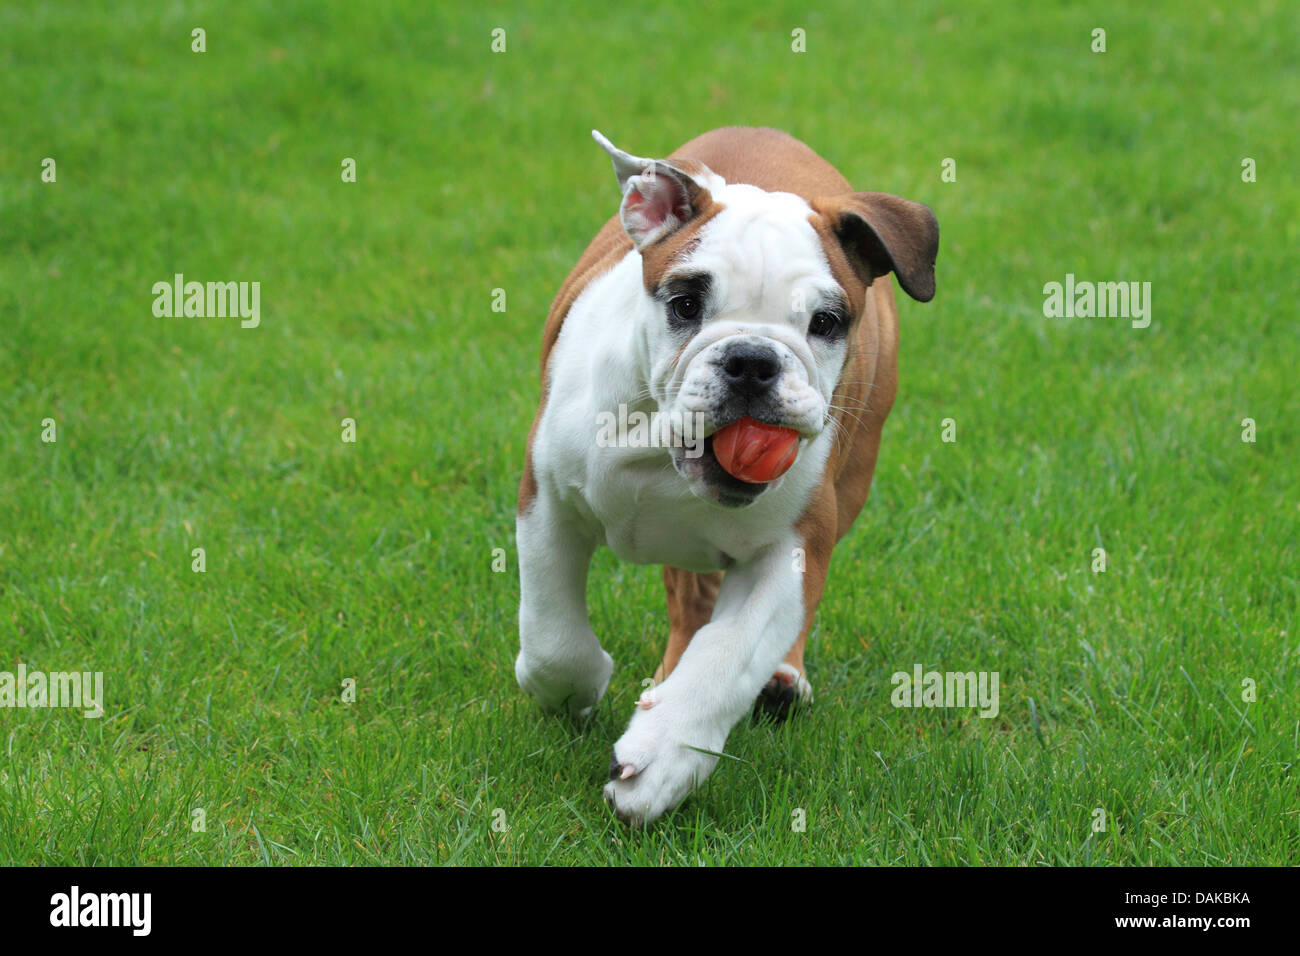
x=750, y=322
x=746, y=315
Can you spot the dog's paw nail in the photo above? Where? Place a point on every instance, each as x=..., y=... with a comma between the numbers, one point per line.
x=620, y=771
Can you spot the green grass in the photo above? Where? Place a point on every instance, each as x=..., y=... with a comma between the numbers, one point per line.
x=373, y=561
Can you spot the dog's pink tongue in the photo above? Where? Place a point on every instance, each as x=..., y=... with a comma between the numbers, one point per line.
x=755, y=452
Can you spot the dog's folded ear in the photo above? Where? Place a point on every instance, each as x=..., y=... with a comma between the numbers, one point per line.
x=881, y=233
x=659, y=195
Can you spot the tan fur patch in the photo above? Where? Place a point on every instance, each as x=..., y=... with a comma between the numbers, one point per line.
x=658, y=257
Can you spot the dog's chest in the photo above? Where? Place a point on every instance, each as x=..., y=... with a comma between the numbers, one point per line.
x=647, y=520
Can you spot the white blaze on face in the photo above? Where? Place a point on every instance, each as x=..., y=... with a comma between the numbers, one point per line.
x=768, y=275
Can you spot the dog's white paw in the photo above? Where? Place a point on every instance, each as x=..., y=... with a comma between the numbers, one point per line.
x=655, y=765
x=572, y=686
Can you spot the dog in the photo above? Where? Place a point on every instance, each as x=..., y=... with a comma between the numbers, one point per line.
x=744, y=288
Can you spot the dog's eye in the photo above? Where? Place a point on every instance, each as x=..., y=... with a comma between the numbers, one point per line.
x=823, y=324
x=685, y=307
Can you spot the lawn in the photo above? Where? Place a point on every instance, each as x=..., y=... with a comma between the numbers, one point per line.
x=365, y=569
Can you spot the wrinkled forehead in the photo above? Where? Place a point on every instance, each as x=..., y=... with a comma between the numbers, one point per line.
x=754, y=240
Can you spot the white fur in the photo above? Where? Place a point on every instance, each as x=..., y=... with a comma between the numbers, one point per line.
x=615, y=348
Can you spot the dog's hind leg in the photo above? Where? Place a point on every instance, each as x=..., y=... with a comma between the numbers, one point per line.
x=691, y=597
x=789, y=685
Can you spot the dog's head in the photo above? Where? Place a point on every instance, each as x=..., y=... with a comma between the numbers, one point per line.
x=747, y=315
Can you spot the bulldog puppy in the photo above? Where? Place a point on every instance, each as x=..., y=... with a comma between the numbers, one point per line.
x=741, y=302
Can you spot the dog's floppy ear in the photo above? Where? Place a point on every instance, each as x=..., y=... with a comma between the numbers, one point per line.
x=659, y=195
x=881, y=233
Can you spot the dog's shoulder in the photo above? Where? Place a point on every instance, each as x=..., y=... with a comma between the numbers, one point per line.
x=607, y=250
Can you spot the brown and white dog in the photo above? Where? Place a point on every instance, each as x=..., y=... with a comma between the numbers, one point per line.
x=742, y=277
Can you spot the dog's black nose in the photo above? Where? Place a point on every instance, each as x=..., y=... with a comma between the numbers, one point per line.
x=750, y=369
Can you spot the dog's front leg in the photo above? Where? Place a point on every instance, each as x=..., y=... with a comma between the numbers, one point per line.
x=560, y=662
x=665, y=752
